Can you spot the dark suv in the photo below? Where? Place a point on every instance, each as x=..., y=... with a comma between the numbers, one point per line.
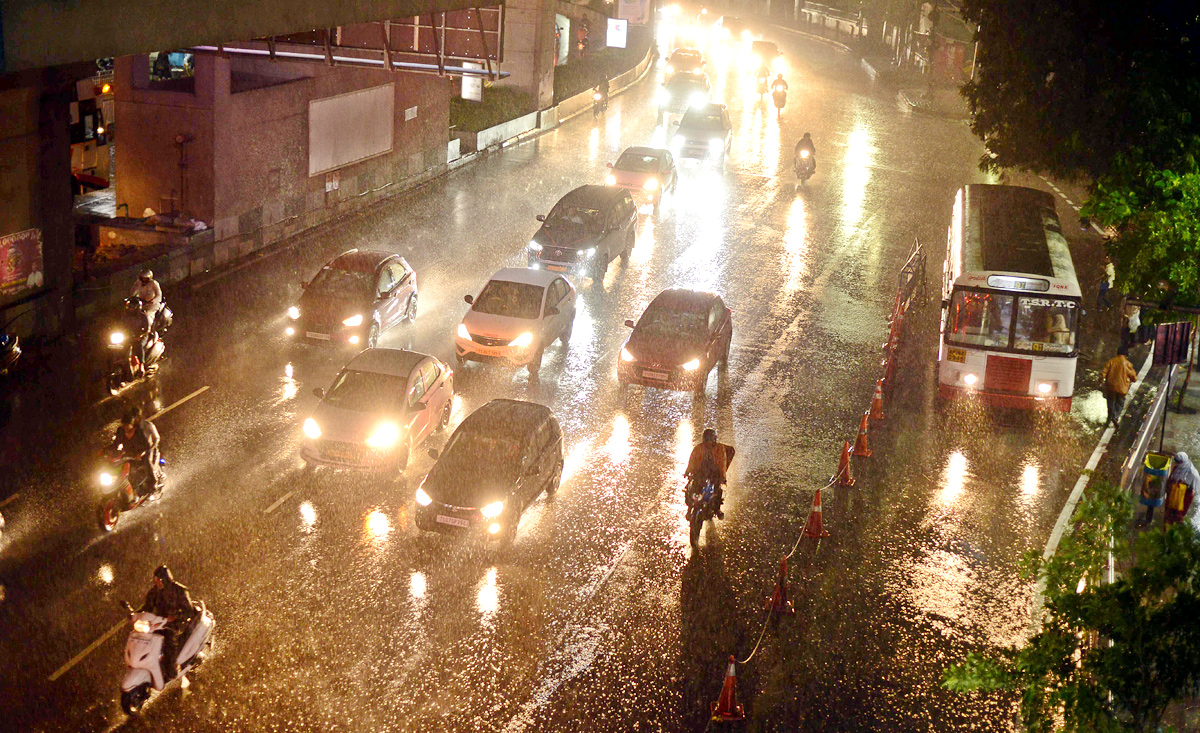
x=585, y=231
x=357, y=296
x=495, y=464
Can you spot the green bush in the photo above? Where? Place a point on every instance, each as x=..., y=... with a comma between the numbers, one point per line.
x=581, y=74
x=500, y=104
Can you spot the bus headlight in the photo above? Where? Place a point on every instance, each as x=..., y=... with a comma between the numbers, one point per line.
x=1047, y=387
x=970, y=379
x=493, y=510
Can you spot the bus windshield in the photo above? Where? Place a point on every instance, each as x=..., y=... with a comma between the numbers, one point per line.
x=985, y=319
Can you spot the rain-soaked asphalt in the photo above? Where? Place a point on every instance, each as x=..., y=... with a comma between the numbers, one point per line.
x=334, y=613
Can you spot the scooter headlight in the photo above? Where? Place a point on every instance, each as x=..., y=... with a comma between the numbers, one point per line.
x=116, y=338
x=142, y=626
x=106, y=478
x=493, y=510
x=803, y=153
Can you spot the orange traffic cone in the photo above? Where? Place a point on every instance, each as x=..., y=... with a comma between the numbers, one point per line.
x=861, y=447
x=778, y=602
x=877, y=401
x=844, y=477
x=727, y=709
x=815, y=527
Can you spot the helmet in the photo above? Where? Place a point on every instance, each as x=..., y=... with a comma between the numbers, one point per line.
x=163, y=573
x=130, y=416
x=147, y=274
x=710, y=435
x=808, y=136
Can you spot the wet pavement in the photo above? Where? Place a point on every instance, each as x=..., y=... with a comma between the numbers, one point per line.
x=334, y=613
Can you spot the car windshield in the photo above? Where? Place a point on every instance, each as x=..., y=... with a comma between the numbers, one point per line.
x=979, y=318
x=667, y=323
x=366, y=391
x=513, y=300
x=638, y=163
x=344, y=284
x=699, y=119
x=1045, y=325
x=686, y=86
x=566, y=216
x=472, y=459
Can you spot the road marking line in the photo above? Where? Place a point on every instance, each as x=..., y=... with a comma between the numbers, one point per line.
x=1064, y=517
x=10, y=499
x=90, y=648
x=177, y=403
x=275, y=506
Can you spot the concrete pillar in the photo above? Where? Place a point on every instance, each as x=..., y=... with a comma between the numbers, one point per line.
x=529, y=48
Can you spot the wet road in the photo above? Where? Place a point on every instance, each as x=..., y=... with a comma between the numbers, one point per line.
x=334, y=613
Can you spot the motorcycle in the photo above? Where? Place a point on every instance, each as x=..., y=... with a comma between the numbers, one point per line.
x=702, y=507
x=599, y=103
x=123, y=486
x=761, y=85
x=780, y=98
x=125, y=365
x=143, y=654
x=10, y=352
x=805, y=166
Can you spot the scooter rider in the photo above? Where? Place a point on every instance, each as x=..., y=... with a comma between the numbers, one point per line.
x=138, y=439
x=779, y=85
x=806, y=143
x=170, y=600
x=148, y=289
x=708, y=463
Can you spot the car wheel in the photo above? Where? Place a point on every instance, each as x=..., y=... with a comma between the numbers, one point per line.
x=373, y=336
x=702, y=385
x=402, y=458
x=535, y=364
x=725, y=356
x=565, y=337
x=445, y=421
x=555, y=480
x=632, y=240
x=410, y=314
x=601, y=267
x=459, y=361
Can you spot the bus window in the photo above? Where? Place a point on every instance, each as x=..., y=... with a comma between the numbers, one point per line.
x=1046, y=325
x=979, y=318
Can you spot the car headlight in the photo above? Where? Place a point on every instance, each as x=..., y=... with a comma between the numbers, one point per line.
x=385, y=436
x=662, y=97
x=696, y=100
x=116, y=338
x=290, y=331
x=523, y=340
x=141, y=626
x=463, y=333
x=778, y=65
x=670, y=69
x=106, y=478
x=311, y=429
x=491, y=511
x=422, y=498
x=535, y=247
x=293, y=313
x=677, y=142
x=625, y=355
x=716, y=144
x=651, y=184
x=692, y=365
x=590, y=253
x=610, y=180
x=353, y=321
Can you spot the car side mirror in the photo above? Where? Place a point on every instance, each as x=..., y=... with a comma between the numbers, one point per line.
x=385, y=295
x=552, y=311
x=629, y=322
x=318, y=393
x=433, y=453
x=540, y=217
x=609, y=165
x=469, y=298
x=304, y=284
x=128, y=608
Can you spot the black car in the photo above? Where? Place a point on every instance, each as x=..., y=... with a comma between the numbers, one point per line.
x=678, y=340
x=353, y=299
x=585, y=231
x=495, y=464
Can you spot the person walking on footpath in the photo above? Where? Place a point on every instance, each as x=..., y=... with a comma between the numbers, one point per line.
x=1107, y=280
x=1181, y=486
x=1118, y=375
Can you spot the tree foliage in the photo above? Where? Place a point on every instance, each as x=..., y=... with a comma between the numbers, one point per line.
x=1109, y=657
x=1105, y=92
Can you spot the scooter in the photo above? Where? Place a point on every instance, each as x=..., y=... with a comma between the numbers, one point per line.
x=780, y=98
x=805, y=166
x=761, y=86
x=599, y=104
x=702, y=507
x=123, y=487
x=125, y=366
x=10, y=352
x=143, y=654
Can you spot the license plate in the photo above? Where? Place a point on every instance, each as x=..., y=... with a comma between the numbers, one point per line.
x=556, y=268
x=340, y=454
x=485, y=351
x=315, y=335
x=453, y=521
x=647, y=374
x=956, y=355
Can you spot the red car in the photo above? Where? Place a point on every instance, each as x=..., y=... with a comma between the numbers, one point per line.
x=680, y=337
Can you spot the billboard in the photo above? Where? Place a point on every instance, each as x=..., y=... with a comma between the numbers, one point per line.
x=618, y=31
x=637, y=12
x=20, y=264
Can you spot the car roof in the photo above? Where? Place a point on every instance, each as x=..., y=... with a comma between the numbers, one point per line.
x=688, y=52
x=360, y=260
x=541, y=278
x=393, y=362
x=517, y=417
x=592, y=196
x=683, y=299
x=640, y=150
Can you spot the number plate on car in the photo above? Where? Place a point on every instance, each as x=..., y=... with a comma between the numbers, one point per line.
x=485, y=351
x=556, y=268
x=647, y=374
x=315, y=335
x=956, y=355
x=453, y=521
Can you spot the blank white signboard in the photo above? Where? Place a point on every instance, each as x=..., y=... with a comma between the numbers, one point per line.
x=350, y=127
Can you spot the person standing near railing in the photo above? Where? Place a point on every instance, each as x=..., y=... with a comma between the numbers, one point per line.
x=1118, y=375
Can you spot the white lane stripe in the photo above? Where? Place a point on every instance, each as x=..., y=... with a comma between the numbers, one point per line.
x=177, y=403
x=90, y=648
x=281, y=499
x=10, y=499
x=1064, y=517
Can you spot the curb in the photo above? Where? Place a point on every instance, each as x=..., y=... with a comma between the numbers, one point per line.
x=922, y=110
x=813, y=37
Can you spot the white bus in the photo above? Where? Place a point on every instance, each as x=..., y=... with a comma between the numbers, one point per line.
x=1010, y=301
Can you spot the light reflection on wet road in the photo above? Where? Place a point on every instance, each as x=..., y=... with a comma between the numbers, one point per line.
x=334, y=613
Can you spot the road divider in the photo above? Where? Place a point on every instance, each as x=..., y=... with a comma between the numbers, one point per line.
x=177, y=403
x=278, y=502
x=88, y=650
x=9, y=500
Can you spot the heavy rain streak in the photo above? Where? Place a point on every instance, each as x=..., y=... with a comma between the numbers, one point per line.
x=480, y=522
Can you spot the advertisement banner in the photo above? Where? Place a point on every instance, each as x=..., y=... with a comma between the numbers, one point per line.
x=637, y=12
x=618, y=31
x=20, y=264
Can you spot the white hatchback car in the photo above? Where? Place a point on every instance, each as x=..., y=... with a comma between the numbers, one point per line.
x=381, y=405
x=516, y=316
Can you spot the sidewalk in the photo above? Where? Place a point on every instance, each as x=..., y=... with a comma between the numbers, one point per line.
x=945, y=102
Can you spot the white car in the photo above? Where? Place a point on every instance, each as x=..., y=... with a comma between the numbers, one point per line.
x=381, y=405
x=516, y=316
